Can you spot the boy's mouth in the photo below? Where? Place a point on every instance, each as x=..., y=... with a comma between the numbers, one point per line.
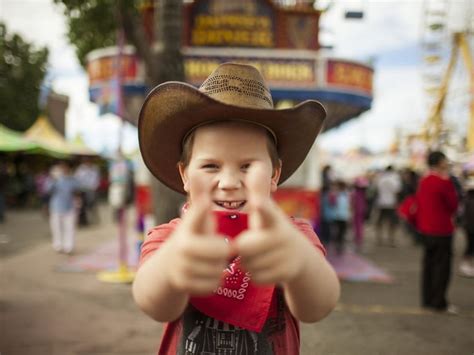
x=231, y=205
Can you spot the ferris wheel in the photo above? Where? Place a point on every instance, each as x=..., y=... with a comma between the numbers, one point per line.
x=448, y=83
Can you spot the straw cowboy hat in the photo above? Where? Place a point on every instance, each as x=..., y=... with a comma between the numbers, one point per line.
x=232, y=92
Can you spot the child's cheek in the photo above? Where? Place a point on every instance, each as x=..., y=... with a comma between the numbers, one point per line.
x=199, y=184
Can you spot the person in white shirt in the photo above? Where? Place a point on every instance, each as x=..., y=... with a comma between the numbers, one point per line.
x=388, y=186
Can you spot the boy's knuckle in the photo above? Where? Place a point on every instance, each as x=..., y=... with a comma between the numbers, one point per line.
x=179, y=282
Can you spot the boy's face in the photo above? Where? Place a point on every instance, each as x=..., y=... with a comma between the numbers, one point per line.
x=226, y=160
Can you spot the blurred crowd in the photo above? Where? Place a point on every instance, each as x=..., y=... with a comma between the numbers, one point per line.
x=24, y=178
x=66, y=191
x=387, y=199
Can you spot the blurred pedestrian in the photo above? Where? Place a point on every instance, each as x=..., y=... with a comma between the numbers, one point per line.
x=88, y=176
x=327, y=176
x=388, y=185
x=406, y=199
x=26, y=185
x=370, y=194
x=460, y=194
x=328, y=205
x=359, y=209
x=325, y=218
x=437, y=204
x=466, y=267
x=62, y=189
x=121, y=189
x=42, y=180
x=341, y=215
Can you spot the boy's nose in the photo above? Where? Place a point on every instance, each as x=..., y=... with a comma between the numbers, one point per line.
x=229, y=180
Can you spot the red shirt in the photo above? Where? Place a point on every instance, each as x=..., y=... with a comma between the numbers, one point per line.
x=195, y=332
x=437, y=203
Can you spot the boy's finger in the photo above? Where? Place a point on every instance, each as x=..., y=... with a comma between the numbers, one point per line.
x=202, y=191
x=257, y=189
x=211, y=250
x=199, y=217
x=250, y=244
x=262, y=214
x=257, y=192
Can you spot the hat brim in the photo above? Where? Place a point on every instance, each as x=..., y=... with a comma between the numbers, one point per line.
x=172, y=109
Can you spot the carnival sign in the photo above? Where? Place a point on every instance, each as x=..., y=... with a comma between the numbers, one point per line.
x=231, y=23
x=349, y=75
x=250, y=24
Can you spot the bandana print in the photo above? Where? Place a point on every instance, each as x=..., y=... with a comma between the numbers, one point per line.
x=237, y=301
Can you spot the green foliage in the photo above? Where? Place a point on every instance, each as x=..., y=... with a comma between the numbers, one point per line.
x=92, y=24
x=22, y=69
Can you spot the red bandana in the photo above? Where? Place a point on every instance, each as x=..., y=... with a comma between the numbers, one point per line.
x=237, y=301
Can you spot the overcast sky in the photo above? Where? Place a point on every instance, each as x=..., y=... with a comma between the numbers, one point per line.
x=389, y=35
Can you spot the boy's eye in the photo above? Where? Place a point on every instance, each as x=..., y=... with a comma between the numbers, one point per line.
x=245, y=166
x=210, y=166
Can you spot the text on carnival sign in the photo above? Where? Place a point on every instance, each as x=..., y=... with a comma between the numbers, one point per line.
x=350, y=75
x=287, y=73
x=217, y=23
x=232, y=30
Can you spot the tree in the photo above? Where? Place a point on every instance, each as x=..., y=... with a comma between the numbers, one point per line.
x=22, y=70
x=93, y=24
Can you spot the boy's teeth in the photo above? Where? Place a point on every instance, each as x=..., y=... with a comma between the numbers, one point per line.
x=231, y=204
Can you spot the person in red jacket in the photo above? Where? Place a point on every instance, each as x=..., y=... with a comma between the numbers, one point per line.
x=437, y=204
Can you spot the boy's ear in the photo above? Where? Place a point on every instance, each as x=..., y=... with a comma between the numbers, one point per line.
x=275, y=177
x=184, y=176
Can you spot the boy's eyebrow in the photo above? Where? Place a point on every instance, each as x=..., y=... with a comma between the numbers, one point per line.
x=207, y=159
x=211, y=159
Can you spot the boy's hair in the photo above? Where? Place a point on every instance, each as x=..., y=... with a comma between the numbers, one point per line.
x=434, y=158
x=189, y=142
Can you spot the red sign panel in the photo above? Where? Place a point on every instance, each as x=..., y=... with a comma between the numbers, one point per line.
x=102, y=69
x=298, y=202
x=353, y=76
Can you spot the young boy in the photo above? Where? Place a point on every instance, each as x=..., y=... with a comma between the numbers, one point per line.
x=245, y=292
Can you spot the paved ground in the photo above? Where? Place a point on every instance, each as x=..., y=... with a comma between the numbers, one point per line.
x=47, y=312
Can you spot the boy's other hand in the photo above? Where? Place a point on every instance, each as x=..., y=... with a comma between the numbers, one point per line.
x=272, y=249
x=198, y=255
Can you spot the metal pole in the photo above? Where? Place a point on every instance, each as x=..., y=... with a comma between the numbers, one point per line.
x=468, y=62
x=123, y=274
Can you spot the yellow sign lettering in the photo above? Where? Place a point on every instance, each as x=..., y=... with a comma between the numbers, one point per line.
x=199, y=68
x=292, y=73
x=351, y=75
x=288, y=72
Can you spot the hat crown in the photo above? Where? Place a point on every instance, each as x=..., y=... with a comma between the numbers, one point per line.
x=238, y=85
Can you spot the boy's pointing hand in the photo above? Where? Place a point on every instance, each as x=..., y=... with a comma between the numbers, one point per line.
x=272, y=249
x=198, y=254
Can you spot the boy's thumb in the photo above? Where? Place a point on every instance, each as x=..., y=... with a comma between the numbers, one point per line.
x=261, y=214
x=200, y=218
